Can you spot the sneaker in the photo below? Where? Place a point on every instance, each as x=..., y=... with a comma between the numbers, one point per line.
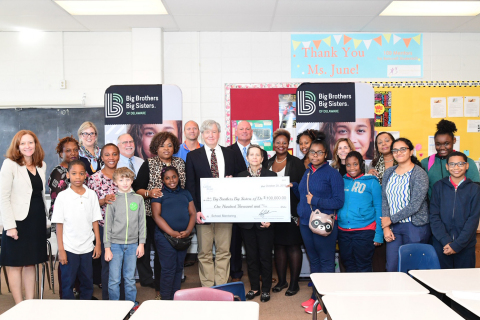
x=310, y=309
x=308, y=303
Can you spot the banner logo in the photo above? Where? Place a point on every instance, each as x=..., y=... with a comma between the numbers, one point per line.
x=113, y=103
x=306, y=103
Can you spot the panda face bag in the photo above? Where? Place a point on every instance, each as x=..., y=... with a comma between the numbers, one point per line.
x=320, y=223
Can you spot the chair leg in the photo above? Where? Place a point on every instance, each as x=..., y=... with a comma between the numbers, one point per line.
x=6, y=279
x=52, y=281
x=42, y=284
x=48, y=275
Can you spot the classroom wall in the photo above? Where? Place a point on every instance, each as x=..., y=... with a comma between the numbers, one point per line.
x=200, y=63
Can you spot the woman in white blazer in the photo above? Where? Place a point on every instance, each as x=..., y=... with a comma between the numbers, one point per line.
x=23, y=212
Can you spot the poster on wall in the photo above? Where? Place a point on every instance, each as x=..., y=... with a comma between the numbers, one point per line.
x=262, y=132
x=138, y=110
x=287, y=107
x=383, y=108
x=341, y=110
x=366, y=55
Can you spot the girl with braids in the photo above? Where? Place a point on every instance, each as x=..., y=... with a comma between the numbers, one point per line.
x=404, y=202
x=436, y=165
x=304, y=140
x=324, y=192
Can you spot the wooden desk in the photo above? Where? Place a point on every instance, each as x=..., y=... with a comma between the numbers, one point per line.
x=471, y=305
x=366, y=283
x=446, y=280
x=68, y=309
x=198, y=310
x=366, y=307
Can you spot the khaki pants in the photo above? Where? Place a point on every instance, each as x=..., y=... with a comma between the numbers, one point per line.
x=221, y=234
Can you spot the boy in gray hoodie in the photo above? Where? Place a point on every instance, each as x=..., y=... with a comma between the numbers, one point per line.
x=124, y=235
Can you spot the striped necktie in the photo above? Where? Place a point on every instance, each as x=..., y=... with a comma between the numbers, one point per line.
x=130, y=165
x=244, y=153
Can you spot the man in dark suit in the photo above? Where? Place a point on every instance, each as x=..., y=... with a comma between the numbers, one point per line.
x=211, y=161
x=244, y=134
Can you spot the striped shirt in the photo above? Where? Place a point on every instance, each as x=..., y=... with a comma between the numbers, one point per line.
x=398, y=193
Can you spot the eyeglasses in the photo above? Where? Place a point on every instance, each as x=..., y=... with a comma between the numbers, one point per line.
x=318, y=153
x=459, y=164
x=401, y=150
x=88, y=134
x=126, y=142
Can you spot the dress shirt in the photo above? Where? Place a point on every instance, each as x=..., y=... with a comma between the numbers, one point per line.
x=220, y=159
x=124, y=162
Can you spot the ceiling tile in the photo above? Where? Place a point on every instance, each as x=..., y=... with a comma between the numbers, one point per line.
x=323, y=24
x=330, y=8
x=125, y=23
x=30, y=7
x=223, y=23
x=220, y=7
x=42, y=23
x=415, y=24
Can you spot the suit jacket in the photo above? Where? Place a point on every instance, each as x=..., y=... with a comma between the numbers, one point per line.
x=265, y=173
x=239, y=157
x=198, y=167
x=16, y=191
x=295, y=170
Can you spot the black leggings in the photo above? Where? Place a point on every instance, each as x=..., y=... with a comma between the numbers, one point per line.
x=293, y=255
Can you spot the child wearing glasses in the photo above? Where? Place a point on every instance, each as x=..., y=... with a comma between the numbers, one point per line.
x=436, y=164
x=454, y=214
x=404, y=202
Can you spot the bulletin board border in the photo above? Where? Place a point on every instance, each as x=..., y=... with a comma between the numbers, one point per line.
x=229, y=86
x=424, y=84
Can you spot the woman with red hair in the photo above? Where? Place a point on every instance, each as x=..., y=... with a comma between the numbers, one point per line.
x=24, y=212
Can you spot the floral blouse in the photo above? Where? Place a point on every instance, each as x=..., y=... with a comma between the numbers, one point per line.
x=102, y=185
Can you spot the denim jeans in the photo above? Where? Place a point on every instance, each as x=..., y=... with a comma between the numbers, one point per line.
x=320, y=250
x=356, y=249
x=78, y=265
x=171, y=261
x=124, y=258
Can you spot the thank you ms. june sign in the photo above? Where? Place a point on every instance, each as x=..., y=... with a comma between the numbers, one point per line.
x=326, y=102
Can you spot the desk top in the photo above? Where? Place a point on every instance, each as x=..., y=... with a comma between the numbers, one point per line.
x=366, y=283
x=68, y=309
x=446, y=280
x=469, y=304
x=198, y=310
x=411, y=307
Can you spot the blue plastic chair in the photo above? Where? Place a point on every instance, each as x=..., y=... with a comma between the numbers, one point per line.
x=417, y=256
x=237, y=288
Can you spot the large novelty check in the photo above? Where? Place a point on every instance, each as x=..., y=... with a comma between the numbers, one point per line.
x=261, y=199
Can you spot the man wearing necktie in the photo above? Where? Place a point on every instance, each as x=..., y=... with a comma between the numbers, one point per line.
x=244, y=135
x=211, y=161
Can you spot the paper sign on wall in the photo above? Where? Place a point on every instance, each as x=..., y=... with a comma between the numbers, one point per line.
x=455, y=107
x=438, y=107
x=472, y=106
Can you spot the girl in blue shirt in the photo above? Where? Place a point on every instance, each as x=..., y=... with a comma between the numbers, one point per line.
x=175, y=214
x=359, y=223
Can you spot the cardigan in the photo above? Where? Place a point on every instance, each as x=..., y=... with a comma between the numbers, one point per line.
x=418, y=207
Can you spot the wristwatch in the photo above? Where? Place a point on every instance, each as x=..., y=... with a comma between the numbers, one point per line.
x=146, y=194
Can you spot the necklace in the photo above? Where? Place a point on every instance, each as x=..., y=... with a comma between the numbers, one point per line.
x=280, y=161
x=387, y=161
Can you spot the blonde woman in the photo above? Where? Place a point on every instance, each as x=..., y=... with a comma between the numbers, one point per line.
x=89, y=152
x=342, y=147
x=24, y=212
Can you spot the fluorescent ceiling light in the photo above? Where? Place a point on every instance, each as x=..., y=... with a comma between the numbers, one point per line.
x=114, y=7
x=432, y=8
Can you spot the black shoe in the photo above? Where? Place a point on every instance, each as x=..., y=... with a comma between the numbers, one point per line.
x=291, y=292
x=184, y=278
x=280, y=287
x=149, y=285
x=265, y=297
x=252, y=294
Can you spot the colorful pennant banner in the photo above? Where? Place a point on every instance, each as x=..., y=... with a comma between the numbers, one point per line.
x=361, y=55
